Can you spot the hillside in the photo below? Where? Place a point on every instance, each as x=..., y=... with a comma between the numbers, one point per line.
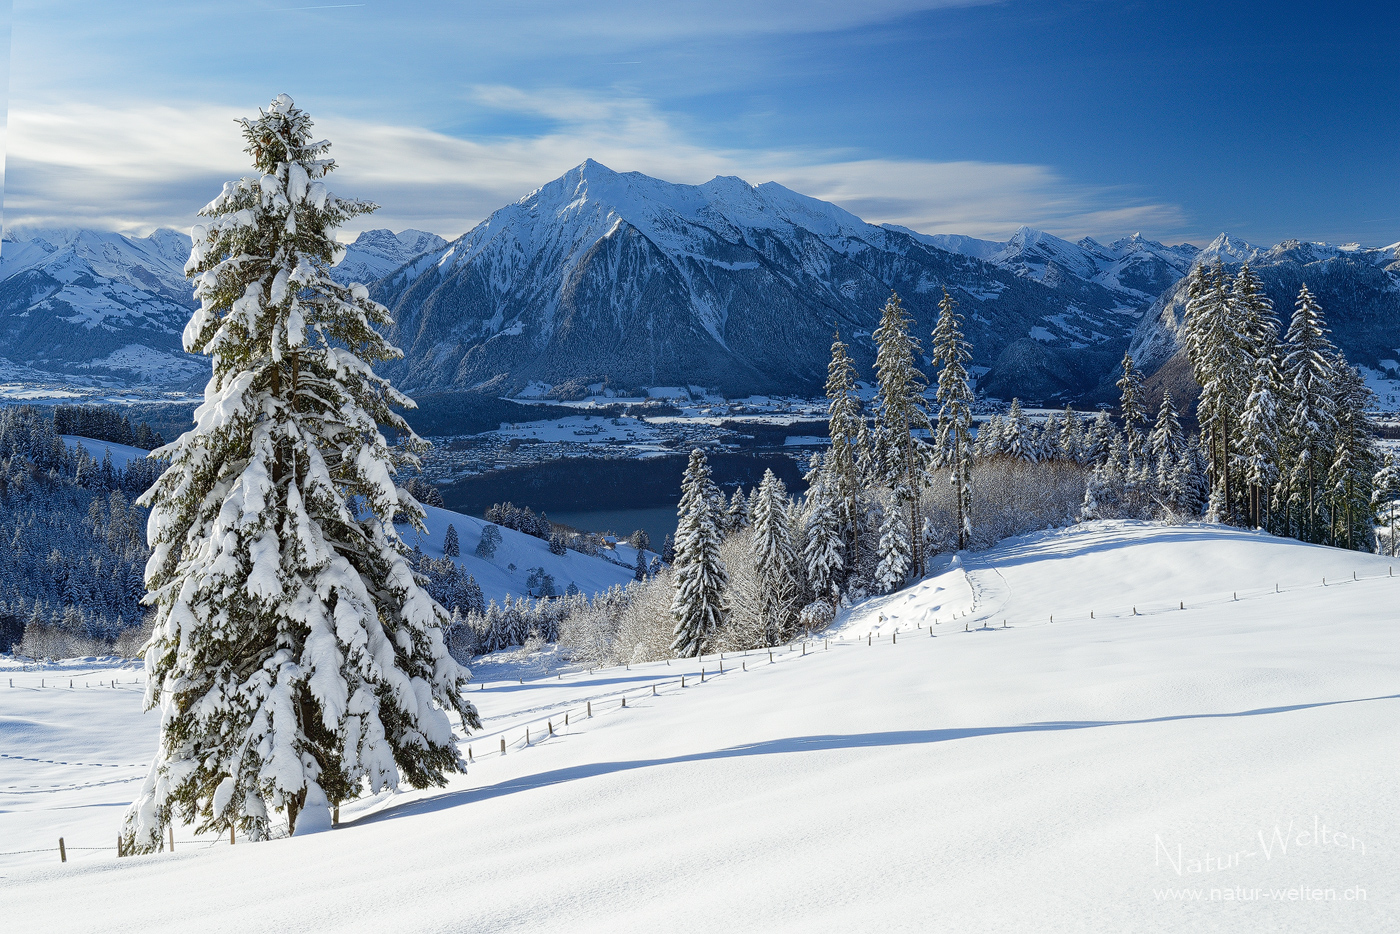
x=522, y=552
x=1086, y=774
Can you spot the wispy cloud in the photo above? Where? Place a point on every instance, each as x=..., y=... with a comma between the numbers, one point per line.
x=139, y=167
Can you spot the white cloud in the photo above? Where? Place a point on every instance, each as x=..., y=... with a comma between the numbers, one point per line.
x=136, y=168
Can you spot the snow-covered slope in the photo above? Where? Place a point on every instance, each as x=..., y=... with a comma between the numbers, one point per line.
x=121, y=453
x=601, y=275
x=517, y=555
x=1085, y=774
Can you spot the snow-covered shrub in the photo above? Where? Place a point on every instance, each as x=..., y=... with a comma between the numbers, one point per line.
x=816, y=616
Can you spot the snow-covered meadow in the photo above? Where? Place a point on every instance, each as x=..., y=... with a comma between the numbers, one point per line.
x=1132, y=765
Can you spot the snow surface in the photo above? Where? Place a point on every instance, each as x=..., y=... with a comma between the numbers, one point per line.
x=523, y=551
x=122, y=454
x=1041, y=777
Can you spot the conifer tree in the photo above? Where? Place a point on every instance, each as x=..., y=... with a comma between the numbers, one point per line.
x=988, y=444
x=900, y=411
x=1167, y=444
x=1099, y=439
x=895, y=550
x=490, y=539
x=1354, y=461
x=1015, y=440
x=1385, y=501
x=737, y=515
x=294, y=656
x=953, y=440
x=1259, y=438
x=698, y=607
x=451, y=548
x=822, y=548
x=774, y=557
x=1132, y=410
x=1071, y=436
x=1308, y=372
x=846, y=426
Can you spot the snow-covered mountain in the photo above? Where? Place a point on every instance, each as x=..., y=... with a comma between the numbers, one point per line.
x=603, y=276
x=103, y=309
x=1135, y=268
x=95, y=307
x=1358, y=288
x=376, y=253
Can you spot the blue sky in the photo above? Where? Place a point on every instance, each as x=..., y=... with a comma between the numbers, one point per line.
x=1178, y=119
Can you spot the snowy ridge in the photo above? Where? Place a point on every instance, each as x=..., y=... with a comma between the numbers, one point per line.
x=1100, y=737
x=619, y=277
x=376, y=253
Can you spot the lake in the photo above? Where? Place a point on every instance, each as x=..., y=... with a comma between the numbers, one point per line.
x=612, y=494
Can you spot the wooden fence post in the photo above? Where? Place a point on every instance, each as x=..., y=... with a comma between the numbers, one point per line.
x=590, y=708
x=171, y=828
x=62, y=853
x=624, y=700
x=230, y=835
x=503, y=745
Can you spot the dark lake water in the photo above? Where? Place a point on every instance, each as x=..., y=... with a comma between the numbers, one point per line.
x=656, y=521
x=613, y=495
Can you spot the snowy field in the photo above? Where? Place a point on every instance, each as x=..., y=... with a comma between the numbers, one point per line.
x=953, y=761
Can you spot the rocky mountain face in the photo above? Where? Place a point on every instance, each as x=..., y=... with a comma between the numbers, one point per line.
x=602, y=277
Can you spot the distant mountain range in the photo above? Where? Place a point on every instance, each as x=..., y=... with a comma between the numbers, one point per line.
x=602, y=278
x=95, y=308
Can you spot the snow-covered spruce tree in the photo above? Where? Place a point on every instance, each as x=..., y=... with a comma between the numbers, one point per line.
x=1354, y=462
x=490, y=539
x=1308, y=372
x=736, y=516
x=1015, y=440
x=988, y=443
x=896, y=549
x=451, y=548
x=775, y=558
x=1071, y=436
x=1132, y=410
x=294, y=657
x=822, y=545
x=1168, y=445
x=1098, y=439
x=700, y=578
x=900, y=411
x=1385, y=502
x=953, y=439
x=845, y=424
x=1259, y=424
